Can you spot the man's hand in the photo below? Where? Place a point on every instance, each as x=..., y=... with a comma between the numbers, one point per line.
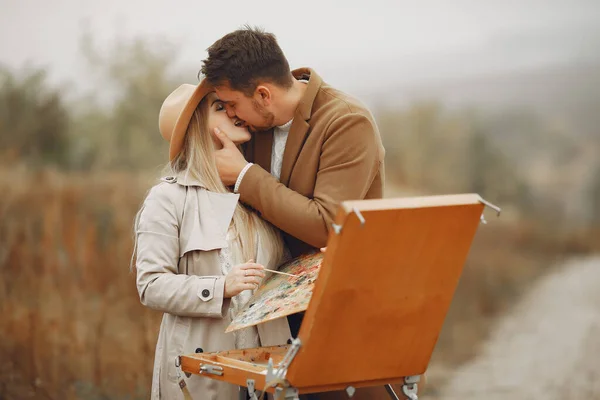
x=230, y=162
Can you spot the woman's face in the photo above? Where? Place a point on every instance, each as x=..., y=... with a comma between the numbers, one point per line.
x=217, y=117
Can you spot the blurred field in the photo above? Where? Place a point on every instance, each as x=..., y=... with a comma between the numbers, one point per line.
x=74, y=172
x=72, y=325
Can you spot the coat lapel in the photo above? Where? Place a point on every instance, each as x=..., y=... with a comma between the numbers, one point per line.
x=206, y=219
x=205, y=216
x=295, y=140
x=300, y=126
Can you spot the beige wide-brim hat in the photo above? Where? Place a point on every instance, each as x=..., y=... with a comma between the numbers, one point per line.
x=176, y=113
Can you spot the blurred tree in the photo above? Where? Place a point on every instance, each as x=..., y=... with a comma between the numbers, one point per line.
x=122, y=132
x=492, y=175
x=443, y=151
x=594, y=197
x=34, y=121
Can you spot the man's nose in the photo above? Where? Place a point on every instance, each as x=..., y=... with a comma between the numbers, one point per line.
x=230, y=111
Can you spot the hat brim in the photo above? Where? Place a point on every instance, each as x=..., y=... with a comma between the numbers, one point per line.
x=181, y=125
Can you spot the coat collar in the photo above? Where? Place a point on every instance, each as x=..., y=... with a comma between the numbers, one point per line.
x=304, y=109
x=206, y=220
x=204, y=216
x=184, y=179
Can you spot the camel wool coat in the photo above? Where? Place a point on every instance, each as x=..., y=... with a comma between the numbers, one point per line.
x=180, y=229
x=333, y=153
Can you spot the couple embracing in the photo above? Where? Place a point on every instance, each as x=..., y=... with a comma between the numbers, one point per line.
x=259, y=158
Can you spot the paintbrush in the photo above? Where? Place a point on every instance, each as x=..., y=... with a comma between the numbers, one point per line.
x=281, y=273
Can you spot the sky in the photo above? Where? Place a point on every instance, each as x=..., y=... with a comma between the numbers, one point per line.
x=355, y=45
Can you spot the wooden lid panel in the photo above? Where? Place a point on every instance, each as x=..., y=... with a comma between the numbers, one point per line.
x=384, y=289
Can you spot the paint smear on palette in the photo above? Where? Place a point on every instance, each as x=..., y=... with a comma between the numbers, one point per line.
x=281, y=295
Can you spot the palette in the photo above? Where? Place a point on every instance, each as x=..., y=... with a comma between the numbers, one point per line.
x=281, y=295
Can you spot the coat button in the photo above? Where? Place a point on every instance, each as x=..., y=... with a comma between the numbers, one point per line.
x=205, y=293
x=199, y=350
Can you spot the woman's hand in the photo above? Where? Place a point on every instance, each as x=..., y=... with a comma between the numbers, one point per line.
x=243, y=277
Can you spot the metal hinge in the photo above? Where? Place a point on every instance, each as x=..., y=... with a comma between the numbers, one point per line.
x=274, y=374
x=250, y=384
x=287, y=393
x=409, y=389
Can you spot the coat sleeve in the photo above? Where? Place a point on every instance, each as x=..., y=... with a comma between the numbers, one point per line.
x=349, y=161
x=159, y=284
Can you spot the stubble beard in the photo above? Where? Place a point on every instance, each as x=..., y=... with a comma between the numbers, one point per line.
x=267, y=116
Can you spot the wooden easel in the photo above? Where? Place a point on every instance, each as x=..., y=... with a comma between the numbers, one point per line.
x=383, y=291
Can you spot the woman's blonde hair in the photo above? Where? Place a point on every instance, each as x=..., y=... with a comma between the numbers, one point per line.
x=197, y=159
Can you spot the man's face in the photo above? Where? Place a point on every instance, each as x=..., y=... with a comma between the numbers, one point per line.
x=249, y=109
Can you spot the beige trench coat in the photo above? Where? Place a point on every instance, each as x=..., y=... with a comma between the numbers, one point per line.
x=179, y=231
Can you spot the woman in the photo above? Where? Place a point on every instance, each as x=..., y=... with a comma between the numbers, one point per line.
x=195, y=246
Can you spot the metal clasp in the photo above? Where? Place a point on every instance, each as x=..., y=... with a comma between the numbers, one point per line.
x=490, y=205
x=211, y=369
x=338, y=228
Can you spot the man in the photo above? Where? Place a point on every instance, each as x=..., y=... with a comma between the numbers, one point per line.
x=312, y=146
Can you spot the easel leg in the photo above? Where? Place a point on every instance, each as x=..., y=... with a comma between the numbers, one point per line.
x=391, y=392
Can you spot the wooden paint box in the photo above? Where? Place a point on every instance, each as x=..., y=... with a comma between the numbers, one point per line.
x=383, y=291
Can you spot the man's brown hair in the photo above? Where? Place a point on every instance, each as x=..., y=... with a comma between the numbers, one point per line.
x=244, y=58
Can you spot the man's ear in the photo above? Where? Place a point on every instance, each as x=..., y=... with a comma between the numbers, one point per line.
x=263, y=95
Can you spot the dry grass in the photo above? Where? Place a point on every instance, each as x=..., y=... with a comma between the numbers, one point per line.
x=72, y=326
